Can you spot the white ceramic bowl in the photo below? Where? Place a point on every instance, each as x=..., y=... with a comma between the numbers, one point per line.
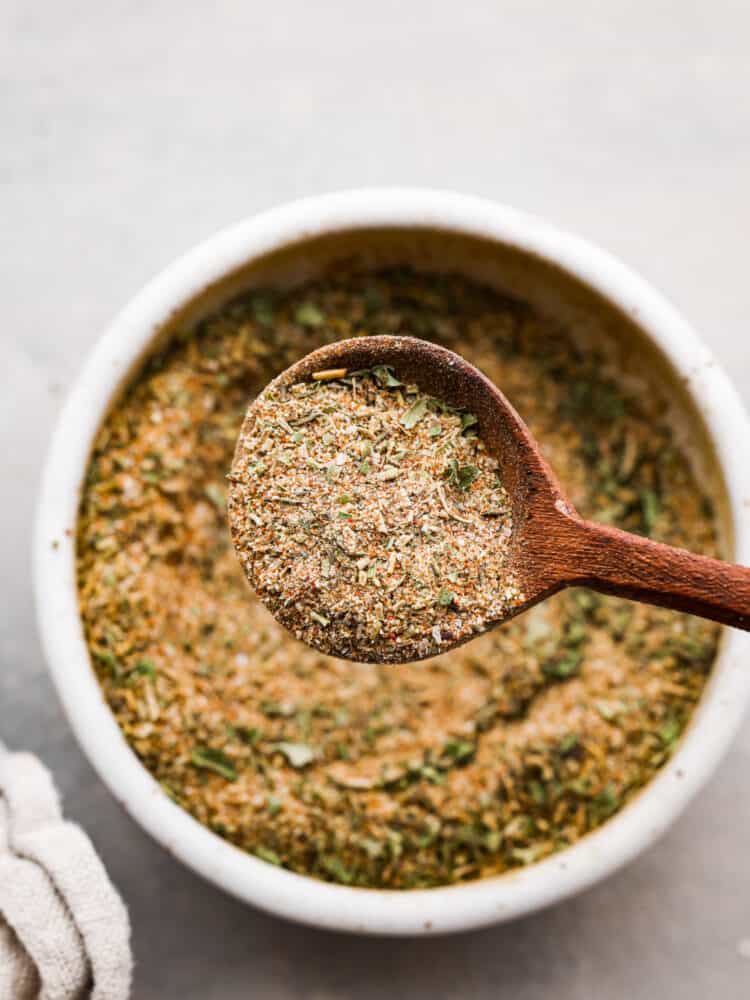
x=236, y=252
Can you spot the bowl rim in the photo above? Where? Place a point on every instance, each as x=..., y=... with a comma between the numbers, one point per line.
x=303, y=898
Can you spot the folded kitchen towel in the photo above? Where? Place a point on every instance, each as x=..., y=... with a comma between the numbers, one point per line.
x=64, y=931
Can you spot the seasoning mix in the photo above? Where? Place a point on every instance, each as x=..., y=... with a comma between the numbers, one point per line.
x=491, y=756
x=369, y=518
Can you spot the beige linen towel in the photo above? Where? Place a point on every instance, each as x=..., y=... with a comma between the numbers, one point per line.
x=64, y=931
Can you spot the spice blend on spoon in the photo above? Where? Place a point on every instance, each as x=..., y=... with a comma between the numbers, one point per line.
x=369, y=517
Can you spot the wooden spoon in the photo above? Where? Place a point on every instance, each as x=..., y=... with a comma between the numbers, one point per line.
x=552, y=547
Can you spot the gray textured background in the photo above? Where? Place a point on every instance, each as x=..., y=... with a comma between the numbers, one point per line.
x=129, y=130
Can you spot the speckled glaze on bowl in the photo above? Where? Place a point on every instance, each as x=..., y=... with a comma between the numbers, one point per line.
x=292, y=243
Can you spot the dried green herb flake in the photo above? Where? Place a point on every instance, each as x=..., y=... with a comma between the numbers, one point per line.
x=209, y=759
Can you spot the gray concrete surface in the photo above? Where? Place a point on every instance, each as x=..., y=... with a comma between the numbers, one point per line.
x=129, y=130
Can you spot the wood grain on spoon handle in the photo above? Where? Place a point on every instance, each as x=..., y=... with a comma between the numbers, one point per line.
x=626, y=565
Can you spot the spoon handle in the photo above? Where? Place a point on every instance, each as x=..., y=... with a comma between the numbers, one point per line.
x=617, y=562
